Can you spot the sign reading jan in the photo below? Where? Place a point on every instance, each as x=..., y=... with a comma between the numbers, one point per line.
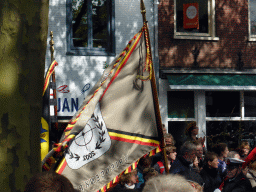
x=190, y=16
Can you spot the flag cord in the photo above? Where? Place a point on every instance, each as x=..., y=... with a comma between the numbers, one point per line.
x=154, y=89
x=54, y=81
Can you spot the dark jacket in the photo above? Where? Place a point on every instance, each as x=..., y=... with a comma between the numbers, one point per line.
x=211, y=179
x=122, y=188
x=182, y=167
x=238, y=184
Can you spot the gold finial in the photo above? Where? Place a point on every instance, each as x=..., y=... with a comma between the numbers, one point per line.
x=51, y=46
x=143, y=10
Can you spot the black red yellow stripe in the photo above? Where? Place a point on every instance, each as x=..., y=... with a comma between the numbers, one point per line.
x=132, y=138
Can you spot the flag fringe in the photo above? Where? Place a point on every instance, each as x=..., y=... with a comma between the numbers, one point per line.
x=128, y=170
x=48, y=75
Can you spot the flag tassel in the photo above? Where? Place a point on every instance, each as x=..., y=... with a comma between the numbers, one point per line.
x=154, y=88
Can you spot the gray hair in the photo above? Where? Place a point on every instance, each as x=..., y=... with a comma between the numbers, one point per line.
x=168, y=183
x=232, y=154
x=187, y=147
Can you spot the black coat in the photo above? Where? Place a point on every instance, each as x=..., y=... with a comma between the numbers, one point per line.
x=211, y=179
x=239, y=184
x=182, y=167
x=122, y=188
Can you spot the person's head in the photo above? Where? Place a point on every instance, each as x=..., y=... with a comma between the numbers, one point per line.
x=221, y=149
x=145, y=161
x=164, y=129
x=199, y=149
x=244, y=148
x=234, y=167
x=169, y=140
x=50, y=182
x=129, y=178
x=192, y=129
x=149, y=173
x=168, y=183
x=233, y=154
x=196, y=186
x=211, y=160
x=188, y=151
x=196, y=162
x=171, y=152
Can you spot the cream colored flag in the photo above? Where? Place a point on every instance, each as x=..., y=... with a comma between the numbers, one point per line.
x=116, y=124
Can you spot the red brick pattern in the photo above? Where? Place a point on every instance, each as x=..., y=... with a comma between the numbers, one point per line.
x=231, y=28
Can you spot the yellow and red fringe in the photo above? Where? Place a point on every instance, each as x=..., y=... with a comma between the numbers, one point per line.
x=48, y=75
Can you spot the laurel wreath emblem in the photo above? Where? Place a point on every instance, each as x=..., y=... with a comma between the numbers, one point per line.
x=99, y=126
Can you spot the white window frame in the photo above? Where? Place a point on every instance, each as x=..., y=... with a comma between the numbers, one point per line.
x=211, y=35
x=200, y=111
x=251, y=36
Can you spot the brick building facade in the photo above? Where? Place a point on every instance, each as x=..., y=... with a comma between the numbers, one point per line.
x=207, y=70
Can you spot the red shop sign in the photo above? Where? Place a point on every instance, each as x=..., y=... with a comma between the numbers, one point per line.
x=190, y=16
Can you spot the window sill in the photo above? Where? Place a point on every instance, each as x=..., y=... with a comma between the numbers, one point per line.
x=251, y=38
x=197, y=38
x=88, y=53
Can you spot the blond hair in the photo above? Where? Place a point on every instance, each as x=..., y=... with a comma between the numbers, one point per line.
x=125, y=178
x=167, y=183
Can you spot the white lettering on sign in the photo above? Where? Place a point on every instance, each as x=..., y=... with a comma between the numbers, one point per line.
x=67, y=105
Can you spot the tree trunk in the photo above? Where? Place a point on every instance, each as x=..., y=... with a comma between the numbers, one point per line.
x=23, y=38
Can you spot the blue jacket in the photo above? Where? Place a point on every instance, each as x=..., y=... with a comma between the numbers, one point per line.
x=182, y=167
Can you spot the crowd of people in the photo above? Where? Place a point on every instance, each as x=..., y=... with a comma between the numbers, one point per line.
x=191, y=169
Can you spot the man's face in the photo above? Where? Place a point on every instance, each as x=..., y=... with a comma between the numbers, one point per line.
x=190, y=156
x=194, y=131
x=199, y=151
x=168, y=140
x=245, y=151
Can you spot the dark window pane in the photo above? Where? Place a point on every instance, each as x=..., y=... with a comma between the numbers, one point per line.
x=180, y=104
x=250, y=104
x=177, y=129
x=100, y=21
x=222, y=104
x=203, y=16
x=80, y=23
x=252, y=7
x=230, y=132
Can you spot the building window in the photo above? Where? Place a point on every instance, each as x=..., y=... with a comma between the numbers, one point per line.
x=194, y=19
x=222, y=116
x=90, y=27
x=180, y=104
x=252, y=19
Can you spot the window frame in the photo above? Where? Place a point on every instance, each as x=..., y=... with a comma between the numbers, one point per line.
x=211, y=35
x=200, y=110
x=93, y=51
x=251, y=36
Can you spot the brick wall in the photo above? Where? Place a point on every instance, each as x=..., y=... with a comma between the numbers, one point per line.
x=231, y=28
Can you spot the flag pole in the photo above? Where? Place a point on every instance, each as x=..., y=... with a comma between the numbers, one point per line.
x=155, y=94
x=53, y=78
